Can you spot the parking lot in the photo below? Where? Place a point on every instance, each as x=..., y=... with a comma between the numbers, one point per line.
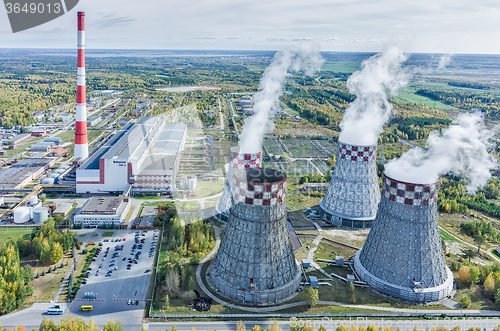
x=119, y=277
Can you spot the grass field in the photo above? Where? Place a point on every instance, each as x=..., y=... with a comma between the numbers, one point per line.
x=129, y=215
x=208, y=188
x=409, y=95
x=6, y=236
x=300, y=201
x=341, y=66
x=47, y=292
x=108, y=234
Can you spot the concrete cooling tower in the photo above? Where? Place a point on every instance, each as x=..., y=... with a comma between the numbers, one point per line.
x=402, y=256
x=353, y=194
x=238, y=161
x=255, y=263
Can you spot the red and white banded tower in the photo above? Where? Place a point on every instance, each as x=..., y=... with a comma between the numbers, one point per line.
x=81, y=144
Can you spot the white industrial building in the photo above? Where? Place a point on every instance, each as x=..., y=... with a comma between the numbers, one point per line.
x=143, y=157
x=100, y=211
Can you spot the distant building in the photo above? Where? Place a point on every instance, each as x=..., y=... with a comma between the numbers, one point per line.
x=94, y=121
x=315, y=186
x=42, y=146
x=245, y=100
x=313, y=281
x=55, y=140
x=63, y=209
x=57, y=152
x=19, y=138
x=22, y=173
x=39, y=132
x=102, y=211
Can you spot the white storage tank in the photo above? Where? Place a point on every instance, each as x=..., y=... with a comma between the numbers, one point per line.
x=40, y=214
x=33, y=200
x=21, y=215
x=191, y=182
x=2, y=201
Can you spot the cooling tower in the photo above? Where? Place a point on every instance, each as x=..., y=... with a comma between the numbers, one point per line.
x=255, y=263
x=238, y=161
x=402, y=256
x=353, y=194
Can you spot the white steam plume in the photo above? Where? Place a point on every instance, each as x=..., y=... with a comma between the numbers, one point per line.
x=271, y=88
x=462, y=148
x=365, y=118
x=444, y=61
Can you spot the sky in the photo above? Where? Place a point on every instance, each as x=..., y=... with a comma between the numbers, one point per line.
x=421, y=26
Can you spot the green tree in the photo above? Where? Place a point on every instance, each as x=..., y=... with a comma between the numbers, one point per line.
x=465, y=301
x=257, y=328
x=57, y=252
x=312, y=296
x=479, y=241
x=468, y=253
x=489, y=284
x=240, y=326
x=350, y=288
x=112, y=326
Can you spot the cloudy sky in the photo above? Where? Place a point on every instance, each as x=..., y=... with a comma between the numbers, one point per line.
x=436, y=26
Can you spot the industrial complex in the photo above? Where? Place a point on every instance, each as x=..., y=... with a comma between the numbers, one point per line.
x=141, y=157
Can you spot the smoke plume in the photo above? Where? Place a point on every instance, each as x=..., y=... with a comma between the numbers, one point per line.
x=364, y=119
x=444, y=61
x=462, y=148
x=270, y=89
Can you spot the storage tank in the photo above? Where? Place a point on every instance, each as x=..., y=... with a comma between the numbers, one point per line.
x=2, y=201
x=33, y=200
x=40, y=214
x=191, y=182
x=21, y=215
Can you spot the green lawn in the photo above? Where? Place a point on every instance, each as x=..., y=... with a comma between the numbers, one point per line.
x=208, y=188
x=108, y=234
x=6, y=236
x=300, y=201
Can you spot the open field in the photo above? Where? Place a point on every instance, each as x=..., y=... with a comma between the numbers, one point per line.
x=13, y=234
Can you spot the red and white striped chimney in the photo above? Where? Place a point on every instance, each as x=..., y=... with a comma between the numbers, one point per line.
x=81, y=144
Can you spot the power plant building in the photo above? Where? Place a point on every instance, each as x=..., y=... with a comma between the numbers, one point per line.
x=101, y=211
x=255, y=263
x=353, y=194
x=144, y=155
x=402, y=256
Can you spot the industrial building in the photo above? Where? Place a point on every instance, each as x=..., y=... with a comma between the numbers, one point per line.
x=352, y=197
x=143, y=156
x=103, y=211
x=63, y=209
x=42, y=146
x=403, y=256
x=19, y=138
x=22, y=173
x=55, y=140
x=39, y=132
x=255, y=263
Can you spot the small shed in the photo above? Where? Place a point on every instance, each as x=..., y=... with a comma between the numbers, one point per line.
x=305, y=263
x=313, y=281
x=63, y=209
x=339, y=261
x=350, y=279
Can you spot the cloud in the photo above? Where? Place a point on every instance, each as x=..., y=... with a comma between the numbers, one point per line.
x=111, y=21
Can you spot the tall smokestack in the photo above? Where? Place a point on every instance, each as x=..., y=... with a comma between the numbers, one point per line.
x=255, y=263
x=353, y=194
x=403, y=256
x=81, y=144
x=238, y=161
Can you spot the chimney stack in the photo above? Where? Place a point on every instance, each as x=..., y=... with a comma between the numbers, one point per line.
x=81, y=144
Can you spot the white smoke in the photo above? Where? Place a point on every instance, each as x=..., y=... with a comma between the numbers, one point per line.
x=365, y=118
x=444, y=61
x=271, y=88
x=462, y=148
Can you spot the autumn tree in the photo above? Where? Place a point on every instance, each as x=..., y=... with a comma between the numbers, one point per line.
x=312, y=296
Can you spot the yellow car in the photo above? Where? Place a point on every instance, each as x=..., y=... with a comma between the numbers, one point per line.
x=86, y=308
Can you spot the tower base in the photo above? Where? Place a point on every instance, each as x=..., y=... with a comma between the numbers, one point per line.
x=344, y=222
x=253, y=297
x=413, y=295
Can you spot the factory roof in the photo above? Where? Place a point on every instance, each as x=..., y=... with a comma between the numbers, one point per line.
x=57, y=140
x=20, y=137
x=63, y=208
x=93, y=161
x=150, y=135
x=102, y=205
x=14, y=175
